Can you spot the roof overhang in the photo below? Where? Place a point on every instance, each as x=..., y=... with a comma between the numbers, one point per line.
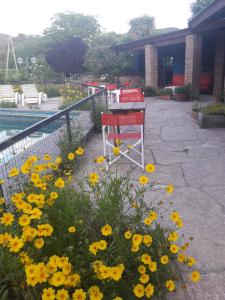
x=211, y=10
x=173, y=37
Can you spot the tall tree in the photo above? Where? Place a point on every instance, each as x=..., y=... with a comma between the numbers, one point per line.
x=141, y=27
x=101, y=59
x=67, y=56
x=69, y=24
x=199, y=5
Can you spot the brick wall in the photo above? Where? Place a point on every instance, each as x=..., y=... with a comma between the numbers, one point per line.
x=219, y=65
x=151, y=66
x=193, y=51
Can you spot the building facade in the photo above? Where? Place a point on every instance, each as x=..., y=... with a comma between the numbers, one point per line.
x=194, y=55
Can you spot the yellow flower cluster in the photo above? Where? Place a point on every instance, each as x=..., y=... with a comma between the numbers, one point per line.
x=96, y=246
x=103, y=272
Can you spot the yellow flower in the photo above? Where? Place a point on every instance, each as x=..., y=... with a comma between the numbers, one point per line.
x=139, y=290
x=62, y=295
x=128, y=235
x=173, y=237
x=59, y=183
x=53, y=195
x=141, y=269
x=24, y=220
x=71, y=156
x=118, y=142
x=58, y=160
x=58, y=279
x=116, y=151
x=181, y=257
x=94, y=178
x=2, y=181
x=94, y=293
x=80, y=151
x=146, y=258
x=149, y=290
x=117, y=298
x=147, y=240
x=153, y=266
x=135, y=248
x=79, y=294
x=174, y=216
x=48, y=294
x=153, y=215
x=150, y=168
x=144, y=278
x=47, y=157
x=143, y=180
x=195, y=276
x=170, y=189
x=174, y=248
x=7, y=219
x=100, y=159
x=13, y=172
x=2, y=201
x=102, y=245
x=191, y=261
x=72, y=229
x=170, y=285
x=39, y=243
x=106, y=230
x=164, y=259
x=15, y=244
x=136, y=239
x=148, y=221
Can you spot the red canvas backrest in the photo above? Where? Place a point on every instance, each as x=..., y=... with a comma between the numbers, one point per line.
x=111, y=86
x=93, y=83
x=131, y=98
x=206, y=80
x=178, y=80
x=131, y=91
x=136, y=118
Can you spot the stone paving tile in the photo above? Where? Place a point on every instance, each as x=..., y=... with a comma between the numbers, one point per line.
x=178, y=133
x=170, y=157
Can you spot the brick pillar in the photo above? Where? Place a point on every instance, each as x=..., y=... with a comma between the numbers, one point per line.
x=151, y=66
x=219, y=65
x=193, y=51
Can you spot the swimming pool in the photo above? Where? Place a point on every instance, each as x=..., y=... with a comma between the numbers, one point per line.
x=14, y=121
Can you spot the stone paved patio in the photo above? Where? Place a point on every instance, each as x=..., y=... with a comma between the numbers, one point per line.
x=192, y=159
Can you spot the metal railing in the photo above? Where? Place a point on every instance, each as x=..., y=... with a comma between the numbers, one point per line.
x=46, y=137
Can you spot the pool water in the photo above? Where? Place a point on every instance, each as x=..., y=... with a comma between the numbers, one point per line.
x=13, y=121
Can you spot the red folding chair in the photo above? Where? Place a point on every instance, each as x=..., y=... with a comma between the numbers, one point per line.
x=111, y=86
x=136, y=91
x=131, y=98
x=112, y=121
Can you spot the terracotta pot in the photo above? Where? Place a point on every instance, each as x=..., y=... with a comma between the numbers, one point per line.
x=164, y=97
x=194, y=115
x=180, y=97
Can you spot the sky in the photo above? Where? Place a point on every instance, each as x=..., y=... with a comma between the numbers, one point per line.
x=33, y=16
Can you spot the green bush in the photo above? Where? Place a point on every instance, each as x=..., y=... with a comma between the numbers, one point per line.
x=214, y=109
x=164, y=92
x=7, y=104
x=51, y=90
x=180, y=90
x=149, y=91
x=71, y=94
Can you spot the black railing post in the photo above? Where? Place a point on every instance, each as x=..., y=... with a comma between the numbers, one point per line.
x=1, y=192
x=68, y=127
x=93, y=106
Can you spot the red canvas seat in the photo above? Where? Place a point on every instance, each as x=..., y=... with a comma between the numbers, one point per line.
x=112, y=121
x=131, y=98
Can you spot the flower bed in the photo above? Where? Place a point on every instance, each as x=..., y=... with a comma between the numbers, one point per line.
x=97, y=241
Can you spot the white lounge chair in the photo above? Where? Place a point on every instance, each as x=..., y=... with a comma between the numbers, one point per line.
x=31, y=95
x=7, y=94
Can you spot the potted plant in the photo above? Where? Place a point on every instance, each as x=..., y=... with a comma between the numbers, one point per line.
x=196, y=105
x=165, y=94
x=180, y=93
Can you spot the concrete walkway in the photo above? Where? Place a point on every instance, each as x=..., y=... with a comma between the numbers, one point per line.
x=192, y=159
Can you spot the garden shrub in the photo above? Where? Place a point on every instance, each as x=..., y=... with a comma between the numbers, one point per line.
x=164, y=92
x=51, y=90
x=71, y=94
x=7, y=104
x=98, y=240
x=149, y=91
x=214, y=109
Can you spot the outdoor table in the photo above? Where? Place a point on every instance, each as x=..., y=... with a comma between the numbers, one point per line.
x=127, y=107
x=118, y=107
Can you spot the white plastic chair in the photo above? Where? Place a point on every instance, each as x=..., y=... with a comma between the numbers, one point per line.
x=7, y=93
x=31, y=95
x=112, y=121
